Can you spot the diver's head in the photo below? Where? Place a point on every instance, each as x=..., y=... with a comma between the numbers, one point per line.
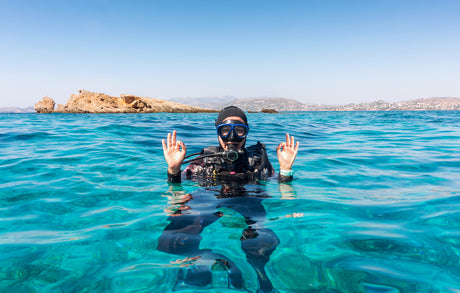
x=232, y=128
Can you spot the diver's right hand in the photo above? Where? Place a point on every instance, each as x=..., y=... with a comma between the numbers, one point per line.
x=174, y=152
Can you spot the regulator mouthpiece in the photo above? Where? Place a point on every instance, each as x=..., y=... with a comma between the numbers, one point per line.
x=232, y=154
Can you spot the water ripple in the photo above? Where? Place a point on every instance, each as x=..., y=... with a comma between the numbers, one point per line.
x=374, y=207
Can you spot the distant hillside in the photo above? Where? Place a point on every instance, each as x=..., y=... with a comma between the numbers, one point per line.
x=278, y=104
x=283, y=104
x=215, y=103
x=416, y=104
x=17, y=110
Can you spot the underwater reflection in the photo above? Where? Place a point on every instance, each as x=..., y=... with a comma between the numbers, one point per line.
x=189, y=214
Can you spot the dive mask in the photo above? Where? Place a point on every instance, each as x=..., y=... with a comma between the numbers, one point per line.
x=231, y=131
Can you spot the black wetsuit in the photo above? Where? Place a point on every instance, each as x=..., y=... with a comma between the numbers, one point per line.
x=182, y=235
x=252, y=165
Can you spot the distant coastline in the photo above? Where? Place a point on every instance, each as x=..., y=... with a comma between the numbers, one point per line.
x=17, y=110
x=90, y=102
x=283, y=104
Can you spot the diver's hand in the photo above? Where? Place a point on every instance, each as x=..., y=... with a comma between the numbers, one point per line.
x=174, y=152
x=287, y=151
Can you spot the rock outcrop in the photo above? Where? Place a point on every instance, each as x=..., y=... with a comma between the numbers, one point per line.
x=270, y=111
x=90, y=102
x=46, y=105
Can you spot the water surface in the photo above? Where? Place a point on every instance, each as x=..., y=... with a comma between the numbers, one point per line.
x=374, y=207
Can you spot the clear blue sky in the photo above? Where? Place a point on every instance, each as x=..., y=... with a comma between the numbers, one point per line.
x=315, y=51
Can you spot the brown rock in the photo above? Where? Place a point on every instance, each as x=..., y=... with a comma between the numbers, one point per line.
x=269, y=111
x=90, y=102
x=46, y=105
x=60, y=108
x=128, y=99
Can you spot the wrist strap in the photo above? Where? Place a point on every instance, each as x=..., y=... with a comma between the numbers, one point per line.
x=286, y=172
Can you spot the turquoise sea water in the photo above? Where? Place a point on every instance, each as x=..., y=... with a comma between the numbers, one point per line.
x=375, y=206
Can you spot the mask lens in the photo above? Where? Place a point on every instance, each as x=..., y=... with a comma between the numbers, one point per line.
x=240, y=130
x=224, y=130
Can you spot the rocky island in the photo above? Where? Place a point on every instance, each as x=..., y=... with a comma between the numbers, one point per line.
x=90, y=102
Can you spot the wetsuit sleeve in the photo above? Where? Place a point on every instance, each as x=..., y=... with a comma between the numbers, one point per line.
x=282, y=178
x=174, y=178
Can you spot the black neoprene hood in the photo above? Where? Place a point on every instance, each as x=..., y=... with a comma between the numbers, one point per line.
x=231, y=111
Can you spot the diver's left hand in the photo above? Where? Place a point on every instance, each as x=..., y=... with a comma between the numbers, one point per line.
x=287, y=152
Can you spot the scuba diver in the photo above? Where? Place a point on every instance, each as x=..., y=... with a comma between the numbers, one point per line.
x=230, y=166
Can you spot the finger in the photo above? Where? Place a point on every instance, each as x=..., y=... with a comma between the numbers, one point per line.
x=164, y=144
x=288, y=142
x=174, y=138
x=292, y=141
x=281, y=147
x=169, y=140
x=297, y=146
x=180, y=145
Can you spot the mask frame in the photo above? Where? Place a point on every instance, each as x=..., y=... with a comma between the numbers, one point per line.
x=232, y=135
